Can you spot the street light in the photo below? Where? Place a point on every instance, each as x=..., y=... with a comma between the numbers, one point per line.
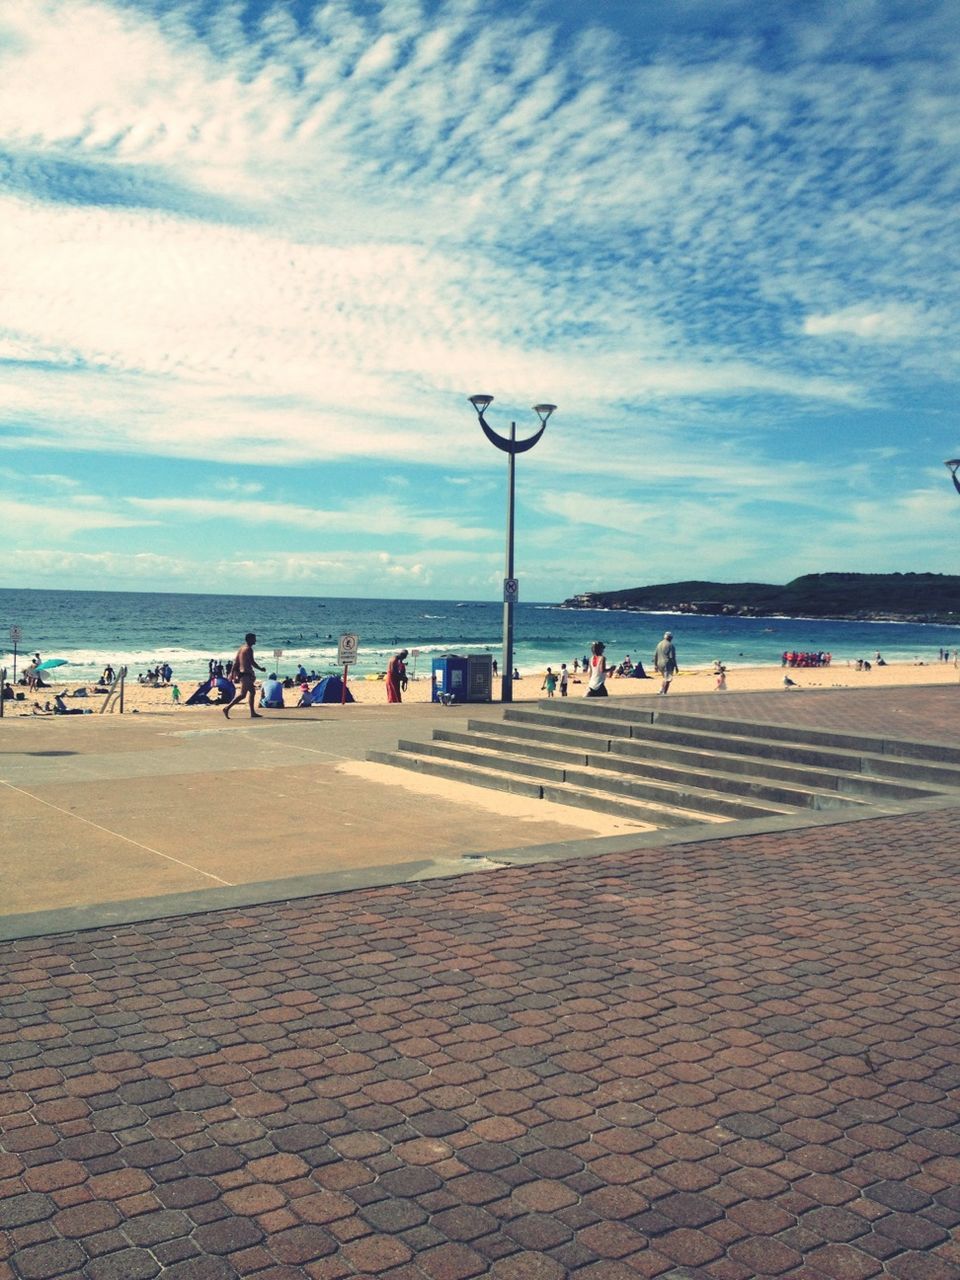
x=954, y=465
x=511, y=448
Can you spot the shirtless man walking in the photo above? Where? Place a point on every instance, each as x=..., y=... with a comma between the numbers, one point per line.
x=242, y=674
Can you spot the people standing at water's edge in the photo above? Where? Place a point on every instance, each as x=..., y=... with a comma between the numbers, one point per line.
x=665, y=661
x=397, y=676
x=597, y=685
x=241, y=673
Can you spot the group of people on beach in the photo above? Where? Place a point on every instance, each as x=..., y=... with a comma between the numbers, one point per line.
x=664, y=662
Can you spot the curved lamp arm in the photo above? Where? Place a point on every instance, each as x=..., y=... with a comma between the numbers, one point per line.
x=543, y=411
x=954, y=465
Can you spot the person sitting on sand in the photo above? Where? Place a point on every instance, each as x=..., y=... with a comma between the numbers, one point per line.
x=305, y=699
x=271, y=694
x=242, y=675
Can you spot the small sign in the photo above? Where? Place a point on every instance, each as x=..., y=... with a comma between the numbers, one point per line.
x=511, y=590
x=347, y=649
x=278, y=653
x=16, y=635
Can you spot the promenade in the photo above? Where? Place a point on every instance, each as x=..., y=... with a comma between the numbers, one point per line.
x=724, y=1054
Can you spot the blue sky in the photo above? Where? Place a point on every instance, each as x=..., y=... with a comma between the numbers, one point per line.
x=255, y=256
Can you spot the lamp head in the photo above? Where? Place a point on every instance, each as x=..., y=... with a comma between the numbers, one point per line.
x=952, y=463
x=481, y=402
x=543, y=411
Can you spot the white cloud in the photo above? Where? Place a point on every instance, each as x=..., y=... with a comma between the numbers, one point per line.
x=378, y=518
x=26, y=518
x=885, y=324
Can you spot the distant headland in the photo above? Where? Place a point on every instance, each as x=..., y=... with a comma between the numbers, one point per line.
x=860, y=597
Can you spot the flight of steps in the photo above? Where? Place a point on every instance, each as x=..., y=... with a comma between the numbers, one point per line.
x=672, y=769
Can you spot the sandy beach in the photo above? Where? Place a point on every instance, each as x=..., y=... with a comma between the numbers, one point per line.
x=145, y=699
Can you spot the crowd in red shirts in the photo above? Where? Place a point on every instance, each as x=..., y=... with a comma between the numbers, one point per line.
x=793, y=659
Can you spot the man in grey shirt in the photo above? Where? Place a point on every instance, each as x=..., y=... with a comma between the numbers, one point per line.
x=665, y=661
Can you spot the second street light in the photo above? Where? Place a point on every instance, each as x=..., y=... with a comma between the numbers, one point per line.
x=511, y=447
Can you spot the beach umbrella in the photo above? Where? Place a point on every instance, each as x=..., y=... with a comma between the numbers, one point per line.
x=50, y=663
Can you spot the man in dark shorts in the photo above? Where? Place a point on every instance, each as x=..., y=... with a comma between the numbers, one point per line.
x=242, y=675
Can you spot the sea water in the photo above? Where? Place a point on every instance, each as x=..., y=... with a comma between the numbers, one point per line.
x=140, y=629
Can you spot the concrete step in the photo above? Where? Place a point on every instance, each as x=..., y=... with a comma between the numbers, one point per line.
x=868, y=744
x=851, y=785
x=680, y=791
x=647, y=813
x=733, y=740
x=705, y=772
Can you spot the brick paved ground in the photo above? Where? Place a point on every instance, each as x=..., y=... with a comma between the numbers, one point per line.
x=726, y=1060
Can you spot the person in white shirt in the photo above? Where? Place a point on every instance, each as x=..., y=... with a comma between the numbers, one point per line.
x=597, y=686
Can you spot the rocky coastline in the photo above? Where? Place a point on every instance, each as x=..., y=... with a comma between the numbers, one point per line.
x=914, y=598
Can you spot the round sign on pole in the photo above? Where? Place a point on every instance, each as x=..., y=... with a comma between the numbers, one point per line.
x=347, y=649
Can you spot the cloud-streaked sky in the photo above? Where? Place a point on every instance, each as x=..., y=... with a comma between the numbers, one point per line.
x=255, y=256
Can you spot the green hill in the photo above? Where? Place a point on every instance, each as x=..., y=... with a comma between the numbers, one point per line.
x=919, y=597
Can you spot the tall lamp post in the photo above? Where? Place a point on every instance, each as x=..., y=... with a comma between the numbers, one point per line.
x=511, y=448
x=954, y=466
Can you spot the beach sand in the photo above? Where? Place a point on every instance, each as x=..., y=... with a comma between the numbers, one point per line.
x=147, y=700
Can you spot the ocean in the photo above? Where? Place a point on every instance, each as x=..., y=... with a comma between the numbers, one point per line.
x=139, y=629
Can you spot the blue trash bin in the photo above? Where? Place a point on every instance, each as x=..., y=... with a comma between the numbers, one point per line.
x=449, y=679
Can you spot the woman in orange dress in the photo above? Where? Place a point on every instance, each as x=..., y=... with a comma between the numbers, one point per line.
x=396, y=677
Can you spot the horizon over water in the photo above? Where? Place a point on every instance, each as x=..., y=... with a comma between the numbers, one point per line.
x=139, y=629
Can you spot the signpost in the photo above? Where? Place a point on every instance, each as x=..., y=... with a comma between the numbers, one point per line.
x=16, y=635
x=278, y=653
x=416, y=655
x=346, y=656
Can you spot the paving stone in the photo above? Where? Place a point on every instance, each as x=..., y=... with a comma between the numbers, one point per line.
x=48, y=1260
x=125, y=1264
x=17, y=1211
x=148, y=1229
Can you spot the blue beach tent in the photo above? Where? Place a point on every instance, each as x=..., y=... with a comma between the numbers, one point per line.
x=201, y=698
x=329, y=689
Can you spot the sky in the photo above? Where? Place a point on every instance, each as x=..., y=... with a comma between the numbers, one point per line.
x=256, y=256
